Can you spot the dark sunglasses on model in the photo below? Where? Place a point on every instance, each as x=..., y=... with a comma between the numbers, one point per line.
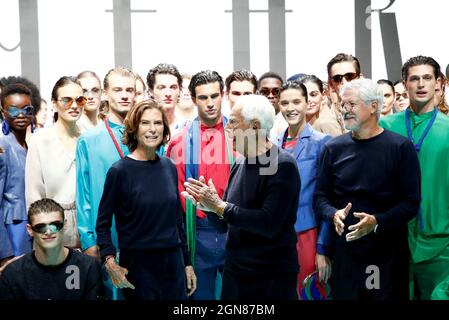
x=54, y=227
x=266, y=91
x=338, y=78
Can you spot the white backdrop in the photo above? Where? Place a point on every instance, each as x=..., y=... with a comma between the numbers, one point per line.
x=75, y=35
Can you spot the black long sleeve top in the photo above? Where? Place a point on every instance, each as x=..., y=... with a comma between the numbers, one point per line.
x=379, y=176
x=143, y=196
x=262, y=196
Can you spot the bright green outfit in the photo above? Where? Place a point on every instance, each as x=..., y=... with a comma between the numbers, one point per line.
x=429, y=232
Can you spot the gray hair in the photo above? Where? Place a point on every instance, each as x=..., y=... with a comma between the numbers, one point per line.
x=257, y=107
x=368, y=90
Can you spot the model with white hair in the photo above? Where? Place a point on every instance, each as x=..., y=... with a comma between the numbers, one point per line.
x=368, y=184
x=258, y=209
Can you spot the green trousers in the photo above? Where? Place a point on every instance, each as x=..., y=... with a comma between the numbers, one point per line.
x=427, y=275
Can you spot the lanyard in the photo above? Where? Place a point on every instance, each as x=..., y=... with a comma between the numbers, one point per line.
x=426, y=130
x=120, y=152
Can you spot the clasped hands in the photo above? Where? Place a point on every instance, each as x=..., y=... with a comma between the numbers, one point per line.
x=362, y=228
x=203, y=195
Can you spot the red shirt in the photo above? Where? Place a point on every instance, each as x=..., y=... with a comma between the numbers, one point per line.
x=213, y=160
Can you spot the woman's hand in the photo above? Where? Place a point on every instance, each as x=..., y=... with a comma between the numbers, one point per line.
x=118, y=275
x=324, y=266
x=191, y=280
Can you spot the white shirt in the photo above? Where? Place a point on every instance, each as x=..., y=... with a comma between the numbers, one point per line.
x=49, y=169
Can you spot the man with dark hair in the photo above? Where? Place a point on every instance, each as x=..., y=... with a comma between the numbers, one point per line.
x=341, y=69
x=51, y=271
x=164, y=85
x=238, y=83
x=202, y=150
x=428, y=129
x=270, y=84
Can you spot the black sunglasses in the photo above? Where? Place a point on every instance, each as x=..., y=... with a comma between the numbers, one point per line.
x=338, y=78
x=54, y=227
x=266, y=91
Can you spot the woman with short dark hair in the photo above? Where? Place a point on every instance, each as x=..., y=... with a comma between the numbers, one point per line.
x=141, y=192
x=18, y=113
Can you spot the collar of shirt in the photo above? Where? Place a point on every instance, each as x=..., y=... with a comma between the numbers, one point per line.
x=417, y=119
x=116, y=126
x=204, y=127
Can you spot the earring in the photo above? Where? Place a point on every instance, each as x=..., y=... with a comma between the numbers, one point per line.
x=32, y=125
x=5, y=128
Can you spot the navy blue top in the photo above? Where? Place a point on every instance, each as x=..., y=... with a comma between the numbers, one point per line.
x=379, y=176
x=143, y=197
x=262, y=196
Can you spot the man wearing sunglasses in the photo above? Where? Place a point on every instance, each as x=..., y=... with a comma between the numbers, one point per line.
x=341, y=69
x=270, y=84
x=51, y=271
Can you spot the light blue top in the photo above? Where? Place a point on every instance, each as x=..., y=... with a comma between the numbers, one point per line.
x=95, y=154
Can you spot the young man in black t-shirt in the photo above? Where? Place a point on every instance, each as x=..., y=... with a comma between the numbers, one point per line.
x=51, y=271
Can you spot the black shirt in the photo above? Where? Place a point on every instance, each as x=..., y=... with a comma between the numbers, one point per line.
x=261, y=213
x=379, y=176
x=143, y=196
x=77, y=278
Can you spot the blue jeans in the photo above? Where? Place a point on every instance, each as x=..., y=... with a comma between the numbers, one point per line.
x=209, y=260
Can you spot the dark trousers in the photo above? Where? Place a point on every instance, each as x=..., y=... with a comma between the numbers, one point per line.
x=156, y=275
x=209, y=260
x=376, y=277
x=272, y=286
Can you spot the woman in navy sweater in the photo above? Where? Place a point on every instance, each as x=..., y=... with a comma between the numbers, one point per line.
x=141, y=193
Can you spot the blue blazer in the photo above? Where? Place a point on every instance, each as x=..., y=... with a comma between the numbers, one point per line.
x=307, y=155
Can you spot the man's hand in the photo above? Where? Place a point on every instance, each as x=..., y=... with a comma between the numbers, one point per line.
x=339, y=217
x=366, y=225
x=191, y=280
x=93, y=252
x=118, y=275
x=203, y=195
x=324, y=266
